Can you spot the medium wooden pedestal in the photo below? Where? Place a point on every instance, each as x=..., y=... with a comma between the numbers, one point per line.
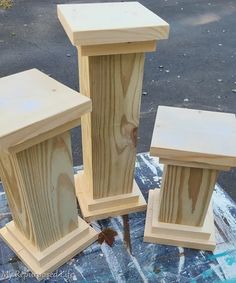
x=37, y=171
x=189, y=143
x=111, y=63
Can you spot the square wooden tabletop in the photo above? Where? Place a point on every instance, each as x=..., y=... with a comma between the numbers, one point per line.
x=101, y=23
x=195, y=136
x=32, y=103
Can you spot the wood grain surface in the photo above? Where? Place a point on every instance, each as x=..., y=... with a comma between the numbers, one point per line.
x=105, y=23
x=37, y=104
x=186, y=194
x=198, y=136
x=118, y=48
x=109, y=133
x=40, y=189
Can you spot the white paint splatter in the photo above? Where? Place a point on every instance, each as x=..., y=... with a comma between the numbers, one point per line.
x=113, y=264
x=218, y=271
x=225, y=249
x=80, y=271
x=133, y=259
x=151, y=167
x=181, y=260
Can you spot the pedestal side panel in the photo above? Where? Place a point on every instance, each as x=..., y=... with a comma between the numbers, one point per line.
x=114, y=83
x=45, y=186
x=186, y=194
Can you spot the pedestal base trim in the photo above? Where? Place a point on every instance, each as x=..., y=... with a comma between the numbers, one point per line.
x=42, y=263
x=175, y=234
x=109, y=206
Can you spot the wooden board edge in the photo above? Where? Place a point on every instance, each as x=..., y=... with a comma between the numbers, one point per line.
x=164, y=239
x=112, y=211
x=117, y=48
x=44, y=136
x=41, y=272
x=198, y=232
x=194, y=164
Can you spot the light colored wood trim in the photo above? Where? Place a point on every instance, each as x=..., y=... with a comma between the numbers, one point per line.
x=193, y=164
x=190, y=135
x=102, y=203
x=118, y=48
x=41, y=104
x=110, y=206
x=42, y=263
x=186, y=194
x=201, y=232
x=44, y=136
x=185, y=156
x=32, y=132
x=189, y=240
x=109, y=133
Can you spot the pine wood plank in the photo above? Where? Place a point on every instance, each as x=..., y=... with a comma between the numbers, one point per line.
x=118, y=48
x=186, y=194
x=44, y=185
x=189, y=240
x=109, y=133
x=180, y=230
x=109, y=206
x=101, y=203
x=100, y=23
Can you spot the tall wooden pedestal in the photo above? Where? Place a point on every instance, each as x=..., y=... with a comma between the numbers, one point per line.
x=111, y=62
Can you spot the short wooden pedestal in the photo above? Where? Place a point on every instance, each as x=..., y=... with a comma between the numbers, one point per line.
x=37, y=171
x=189, y=143
x=111, y=61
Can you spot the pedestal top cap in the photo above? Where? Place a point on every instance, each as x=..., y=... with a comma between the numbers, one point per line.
x=104, y=23
x=32, y=103
x=195, y=136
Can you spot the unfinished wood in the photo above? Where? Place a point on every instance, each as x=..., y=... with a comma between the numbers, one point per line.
x=109, y=133
x=41, y=263
x=186, y=194
x=193, y=164
x=118, y=48
x=44, y=136
x=189, y=240
x=102, y=23
x=195, y=136
x=108, y=206
x=101, y=203
x=39, y=185
x=201, y=232
x=37, y=104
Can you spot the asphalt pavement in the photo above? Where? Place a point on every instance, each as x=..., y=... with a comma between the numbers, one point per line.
x=194, y=68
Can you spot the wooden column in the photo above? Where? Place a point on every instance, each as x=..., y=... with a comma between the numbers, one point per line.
x=111, y=64
x=37, y=171
x=114, y=85
x=39, y=185
x=186, y=194
x=189, y=143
